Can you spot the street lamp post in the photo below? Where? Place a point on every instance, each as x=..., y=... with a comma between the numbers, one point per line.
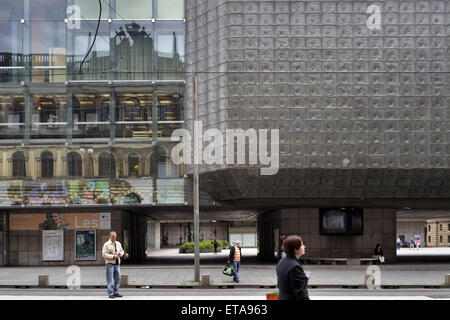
x=196, y=189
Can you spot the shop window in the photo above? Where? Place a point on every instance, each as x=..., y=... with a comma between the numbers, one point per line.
x=46, y=164
x=106, y=165
x=18, y=165
x=74, y=165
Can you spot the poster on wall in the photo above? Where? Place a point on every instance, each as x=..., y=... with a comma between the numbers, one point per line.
x=85, y=245
x=105, y=220
x=52, y=245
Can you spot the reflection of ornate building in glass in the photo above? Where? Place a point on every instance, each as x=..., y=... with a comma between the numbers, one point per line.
x=96, y=140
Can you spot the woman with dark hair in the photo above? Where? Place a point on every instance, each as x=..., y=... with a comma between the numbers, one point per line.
x=292, y=280
x=378, y=253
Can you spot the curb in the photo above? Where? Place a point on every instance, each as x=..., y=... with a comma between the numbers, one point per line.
x=224, y=286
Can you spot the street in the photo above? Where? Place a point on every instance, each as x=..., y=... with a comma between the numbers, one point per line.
x=222, y=294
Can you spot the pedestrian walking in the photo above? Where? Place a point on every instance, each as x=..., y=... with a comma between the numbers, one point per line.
x=112, y=252
x=418, y=243
x=411, y=244
x=292, y=280
x=399, y=243
x=235, y=257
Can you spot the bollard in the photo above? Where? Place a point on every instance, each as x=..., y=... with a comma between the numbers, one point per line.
x=447, y=279
x=43, y=280
x=123, y=280
x=205, y=280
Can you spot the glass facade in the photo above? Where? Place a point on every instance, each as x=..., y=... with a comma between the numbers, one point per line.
x=90, y=129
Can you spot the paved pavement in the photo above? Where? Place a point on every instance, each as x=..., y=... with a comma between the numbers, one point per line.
x=420, y=252
x=251, y=275
x=221, y=294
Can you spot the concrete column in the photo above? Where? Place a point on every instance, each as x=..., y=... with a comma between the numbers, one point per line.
x=157, y=235
x=32, y=164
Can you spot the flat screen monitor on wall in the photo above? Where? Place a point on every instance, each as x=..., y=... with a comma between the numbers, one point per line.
x=341, y=221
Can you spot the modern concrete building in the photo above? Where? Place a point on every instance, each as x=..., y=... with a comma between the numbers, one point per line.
x=359, y=91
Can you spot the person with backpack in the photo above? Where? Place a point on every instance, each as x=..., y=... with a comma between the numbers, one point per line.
x=235, y=257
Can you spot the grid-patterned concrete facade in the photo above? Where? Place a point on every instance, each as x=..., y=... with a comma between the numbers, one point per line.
x=361, y=112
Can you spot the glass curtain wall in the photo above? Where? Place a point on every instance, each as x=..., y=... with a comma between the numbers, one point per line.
x=90, y=129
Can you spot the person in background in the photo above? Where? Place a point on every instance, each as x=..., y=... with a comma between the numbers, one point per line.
x=378, y=252
x=236, y=258
x=282, y=252
x=418, y=243
x=112, y=252
x=215, y=243
x=399, y=243
x=411, y=244
x=292, y=280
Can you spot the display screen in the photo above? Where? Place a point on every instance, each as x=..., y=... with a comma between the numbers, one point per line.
x=345, y=221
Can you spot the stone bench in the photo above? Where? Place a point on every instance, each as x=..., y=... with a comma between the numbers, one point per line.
x=368, y=260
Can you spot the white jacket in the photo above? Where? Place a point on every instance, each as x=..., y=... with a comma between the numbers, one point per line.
x=108, y=251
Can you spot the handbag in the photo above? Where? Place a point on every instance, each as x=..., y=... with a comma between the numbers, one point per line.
x=228, y=270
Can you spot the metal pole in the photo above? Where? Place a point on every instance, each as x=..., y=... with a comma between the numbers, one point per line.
x=196, y=189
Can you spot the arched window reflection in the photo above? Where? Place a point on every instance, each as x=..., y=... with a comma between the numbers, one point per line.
x=106, y=165
x=161, y=165
x=74, y=165
x=18, y=165
x=133, y=165
x=46, y=164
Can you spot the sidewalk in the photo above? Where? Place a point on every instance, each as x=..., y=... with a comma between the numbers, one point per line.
x=407, y=276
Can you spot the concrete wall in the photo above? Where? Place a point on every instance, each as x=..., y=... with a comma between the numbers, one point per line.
x=25, y=247
x=379, y=227
x=411, y=228
x=178, y=233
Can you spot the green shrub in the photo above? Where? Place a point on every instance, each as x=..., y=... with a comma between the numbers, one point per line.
x=224, y=244
x=187, y=246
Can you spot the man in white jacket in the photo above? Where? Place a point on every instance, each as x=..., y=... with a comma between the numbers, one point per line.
x=112, y=252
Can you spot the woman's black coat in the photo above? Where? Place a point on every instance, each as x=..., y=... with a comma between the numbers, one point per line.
x=292, y=280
